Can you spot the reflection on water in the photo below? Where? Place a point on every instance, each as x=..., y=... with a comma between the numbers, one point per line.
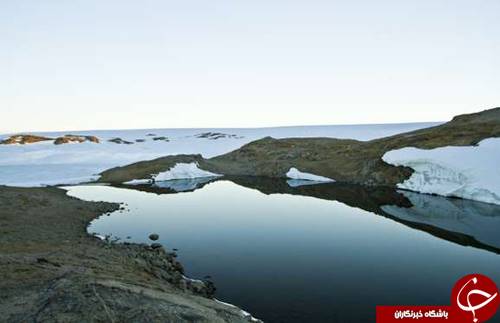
x=184, y=185
x=313, y=253
x=302, y=182
x=478, y=223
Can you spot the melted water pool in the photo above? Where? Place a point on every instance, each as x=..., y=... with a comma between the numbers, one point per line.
x=320, y=253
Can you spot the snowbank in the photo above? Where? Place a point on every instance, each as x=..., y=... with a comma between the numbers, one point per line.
x=465, y=172
x=46, y=163
x=183, y=171
x=294, y=173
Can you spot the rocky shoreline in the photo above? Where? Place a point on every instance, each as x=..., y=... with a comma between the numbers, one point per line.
x=53, y=271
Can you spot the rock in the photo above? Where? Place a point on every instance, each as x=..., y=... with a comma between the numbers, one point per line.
x=66, y=139
x=24, y=139
x=120, y=141
x=140, y=140
x=156, y=245
x=92, y=139
x=154, y=236
x=161, y=138
x=216, y=135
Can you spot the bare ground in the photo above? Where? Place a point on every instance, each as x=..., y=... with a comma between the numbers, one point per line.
x=53, y=271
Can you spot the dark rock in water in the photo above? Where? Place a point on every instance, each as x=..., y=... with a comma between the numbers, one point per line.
x=151, y=134
x=154, y=236
x=156, y=245
x=120, y=141
x=140, y=140
x=161, y=138
x=216, y=135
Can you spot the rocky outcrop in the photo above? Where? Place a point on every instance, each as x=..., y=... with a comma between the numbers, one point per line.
x=68, y=139
x=24, y=139
x=146, y=169
x=30, y=139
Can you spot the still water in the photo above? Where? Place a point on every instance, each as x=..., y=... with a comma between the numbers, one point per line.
x=288, y=252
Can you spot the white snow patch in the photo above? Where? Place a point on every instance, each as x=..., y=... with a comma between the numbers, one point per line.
x=294, y=173
x=183, y=171
x=466, y=172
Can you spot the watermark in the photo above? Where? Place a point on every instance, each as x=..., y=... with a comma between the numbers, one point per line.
x=474, y=299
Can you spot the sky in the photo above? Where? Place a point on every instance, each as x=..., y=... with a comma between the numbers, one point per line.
x=117, y=64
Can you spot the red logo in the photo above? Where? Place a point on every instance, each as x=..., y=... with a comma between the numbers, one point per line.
x=476, y=296
x=474, y=299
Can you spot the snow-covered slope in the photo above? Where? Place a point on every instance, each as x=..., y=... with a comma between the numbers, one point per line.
x=467, y=172
x=48, y=164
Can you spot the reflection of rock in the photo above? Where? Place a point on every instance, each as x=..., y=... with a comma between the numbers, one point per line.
x=480, y=221
x=66, y=139
x=23, y=139
x=464, y=222
x=182, y=185
x=120, y=141
x=216, y=135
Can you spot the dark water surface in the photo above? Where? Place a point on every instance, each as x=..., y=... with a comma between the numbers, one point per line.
x=313, y=253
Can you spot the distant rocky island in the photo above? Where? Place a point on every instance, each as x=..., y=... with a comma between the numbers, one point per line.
x=25, y=139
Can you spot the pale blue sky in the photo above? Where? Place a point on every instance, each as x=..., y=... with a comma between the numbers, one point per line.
x=98, y=64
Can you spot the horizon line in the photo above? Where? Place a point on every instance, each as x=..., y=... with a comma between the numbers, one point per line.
x=201, y=128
